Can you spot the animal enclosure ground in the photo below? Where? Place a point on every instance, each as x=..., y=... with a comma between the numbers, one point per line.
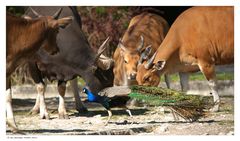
x=146, y=120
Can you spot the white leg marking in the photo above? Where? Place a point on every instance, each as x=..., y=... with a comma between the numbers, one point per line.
x=61, y=109
x=41, y=95
x=216, y=99
x=10, y=117
x=36, y=107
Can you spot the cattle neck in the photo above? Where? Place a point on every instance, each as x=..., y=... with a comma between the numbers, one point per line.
x=28, y=34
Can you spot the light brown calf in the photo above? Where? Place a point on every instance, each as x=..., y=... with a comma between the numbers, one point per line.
x=144, y=30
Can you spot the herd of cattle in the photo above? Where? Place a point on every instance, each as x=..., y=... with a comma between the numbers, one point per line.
x=55, y=47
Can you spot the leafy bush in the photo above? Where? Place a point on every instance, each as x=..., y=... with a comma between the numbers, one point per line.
x=101, y=22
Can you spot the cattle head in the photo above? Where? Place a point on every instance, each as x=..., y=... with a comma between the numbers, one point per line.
x=131, y=58
x=52, y=25
x=148, y=73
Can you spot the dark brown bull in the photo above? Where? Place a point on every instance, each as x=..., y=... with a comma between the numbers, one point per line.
x=200, y=38
x=75, y=58
x=24, y=38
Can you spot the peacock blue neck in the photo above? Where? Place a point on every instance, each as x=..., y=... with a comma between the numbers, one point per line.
x=90, y=95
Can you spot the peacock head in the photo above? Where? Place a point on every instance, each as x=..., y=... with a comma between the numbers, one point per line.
x=90, y=95
x=85, y=90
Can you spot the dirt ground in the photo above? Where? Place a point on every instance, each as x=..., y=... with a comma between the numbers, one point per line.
x=145, y=121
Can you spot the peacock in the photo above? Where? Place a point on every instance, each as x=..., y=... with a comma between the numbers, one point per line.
x=109, y=98
x=189, y=107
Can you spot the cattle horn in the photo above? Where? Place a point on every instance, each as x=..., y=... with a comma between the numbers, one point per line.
x=148, y=51
x=35, y=12
x=104, y=62
x=101, y=49
x=141, y=44
x=56, y=14
x=145, y=54
x=150, y=61
x=120, y=44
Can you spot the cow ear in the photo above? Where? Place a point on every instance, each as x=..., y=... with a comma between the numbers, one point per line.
x=159, y=65
x=63, y=22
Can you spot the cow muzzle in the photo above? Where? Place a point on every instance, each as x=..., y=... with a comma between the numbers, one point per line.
x=132, y=76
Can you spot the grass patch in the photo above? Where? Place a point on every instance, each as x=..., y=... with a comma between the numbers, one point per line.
x=200, y=77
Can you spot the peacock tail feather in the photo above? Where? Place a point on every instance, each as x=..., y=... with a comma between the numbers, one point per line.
x=190, y=107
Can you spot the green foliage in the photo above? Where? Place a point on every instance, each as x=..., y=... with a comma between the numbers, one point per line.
x=101, y=22
x=16, y=10
x=101, y=11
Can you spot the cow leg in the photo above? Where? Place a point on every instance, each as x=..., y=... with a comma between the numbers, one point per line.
x=36, y=108
x=167, y=81
x=40, y=105
x=209, y=72
x=10, y=117
x=184, y=77
x=43, y=108
x=78, y=103
x=62, y=113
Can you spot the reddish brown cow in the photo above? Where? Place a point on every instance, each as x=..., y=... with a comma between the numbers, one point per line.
x=24, y=38
x=200, y=38
x=146, y=29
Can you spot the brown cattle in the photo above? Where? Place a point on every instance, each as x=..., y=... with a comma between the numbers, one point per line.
x=200, y=38
x=146, y=29
x=24, y=38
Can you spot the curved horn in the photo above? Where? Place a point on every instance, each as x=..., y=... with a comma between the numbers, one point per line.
x=101, y=49
x=35, y=12
x=56, y=14
x=145, y=54
x=120, y=44
x=141, y=44
x=147, y=51
x=150, y=61
x=104, y=62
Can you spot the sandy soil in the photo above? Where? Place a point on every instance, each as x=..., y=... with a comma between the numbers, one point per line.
x=145, y=121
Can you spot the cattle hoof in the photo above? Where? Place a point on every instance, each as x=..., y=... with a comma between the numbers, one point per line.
x=83, y=109
x=215, y=108
x=33, y=112
x=61, y=116
x=12, y=125
x=15, y=130
x=46, y=116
